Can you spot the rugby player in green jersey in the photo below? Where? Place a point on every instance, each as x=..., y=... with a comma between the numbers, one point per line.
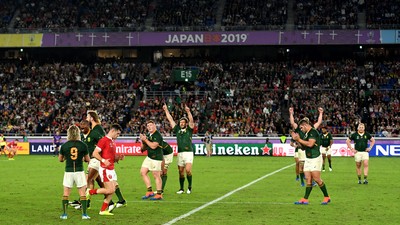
x=326, y=148
x=361, y=150
x=73, y=152
x=313, y=163
x=184, y=133
x=299, y=154
x=93, y=132
x=152, y=142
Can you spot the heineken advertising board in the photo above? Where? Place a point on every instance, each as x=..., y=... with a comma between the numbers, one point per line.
x=239, y=150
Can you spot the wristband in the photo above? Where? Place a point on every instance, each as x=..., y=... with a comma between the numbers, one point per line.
x=103, y=160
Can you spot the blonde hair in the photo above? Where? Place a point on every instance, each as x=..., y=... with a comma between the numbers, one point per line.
x=73, y=133
x=304, y=120
x=94, y=115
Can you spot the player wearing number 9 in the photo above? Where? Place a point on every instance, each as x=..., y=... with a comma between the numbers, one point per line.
x=74, y=152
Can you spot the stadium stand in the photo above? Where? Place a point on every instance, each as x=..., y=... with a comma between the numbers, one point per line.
x=173, y=15
x=322, y=14
x=382, y=14
x=169, y=14
x=62, y=15
x=46, y=97
x=255, y=14
x=7, y=9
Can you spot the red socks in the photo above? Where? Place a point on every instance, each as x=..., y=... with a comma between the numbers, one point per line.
x=93, y=191
x=104, y=206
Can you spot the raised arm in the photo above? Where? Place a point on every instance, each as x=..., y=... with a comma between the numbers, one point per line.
x=169, y=117
x=291, y=118
x=190, y=117
x=321, y=112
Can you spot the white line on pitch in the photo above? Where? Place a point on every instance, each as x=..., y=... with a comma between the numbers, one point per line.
x=224, y=196
x=198, y=202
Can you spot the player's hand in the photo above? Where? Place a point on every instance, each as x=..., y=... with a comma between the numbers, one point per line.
x=106, y=162
x=144, y=147
x=187, y=109
x=143, y=137
x=320, y=110
x=291, y=110
x=119, y=157
x=295, y=136
x=165, y=107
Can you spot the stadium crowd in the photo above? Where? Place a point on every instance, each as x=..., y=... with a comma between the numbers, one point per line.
x=258, y=14
x=234, y=98
x=7, y=9
x=72, y=14
x=333, y=14
x=186, y=13
x=59, y=15
x=382, y=14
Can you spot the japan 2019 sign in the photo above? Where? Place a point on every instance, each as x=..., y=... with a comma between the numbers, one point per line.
x=206, y=38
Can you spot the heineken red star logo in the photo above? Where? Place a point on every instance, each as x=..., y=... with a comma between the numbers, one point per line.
x=266, y=150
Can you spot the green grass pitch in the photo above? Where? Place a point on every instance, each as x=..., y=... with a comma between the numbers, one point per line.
x=226, y=190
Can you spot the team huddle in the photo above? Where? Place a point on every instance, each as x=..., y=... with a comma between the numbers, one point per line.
x=312, y=148
x=89, y=143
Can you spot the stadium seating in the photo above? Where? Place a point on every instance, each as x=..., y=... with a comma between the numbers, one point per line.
x=323, y=14
x=255, y=14
x=174, y=15
x=382, y=14
x=170, y=14
x=230, y=99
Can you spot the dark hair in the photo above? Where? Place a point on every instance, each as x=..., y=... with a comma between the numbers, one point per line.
x=116, y=127
x=84, y=122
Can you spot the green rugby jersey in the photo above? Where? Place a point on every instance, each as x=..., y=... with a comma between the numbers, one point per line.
x=301, y=134
x=74, y=152
x=167, y=149
x=184, y=138
x=157, y=153
x=93, y=137
x=360, y=141
x=312, y=152
x=99, y=129
x=326, y=139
